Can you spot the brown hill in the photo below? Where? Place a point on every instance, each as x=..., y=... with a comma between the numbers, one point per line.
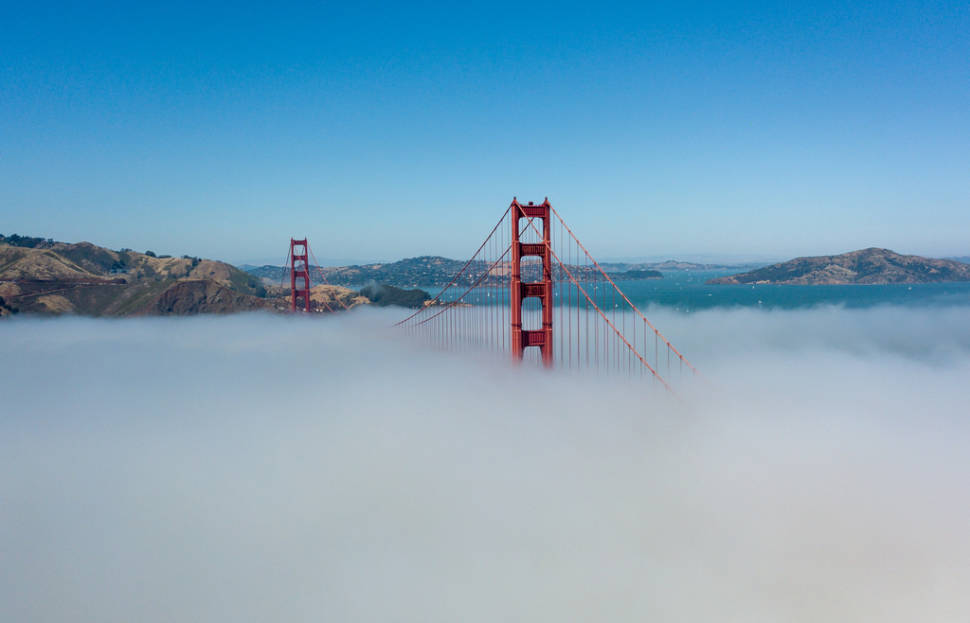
x=201, y=297
x=335, y=297
x=867, y=266
x=83, y=278
x=18, y=263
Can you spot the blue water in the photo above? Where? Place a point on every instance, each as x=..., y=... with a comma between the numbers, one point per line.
x=685, y=291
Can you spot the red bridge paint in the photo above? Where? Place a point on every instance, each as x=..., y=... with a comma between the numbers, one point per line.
x=299, y=272
x=542, y=290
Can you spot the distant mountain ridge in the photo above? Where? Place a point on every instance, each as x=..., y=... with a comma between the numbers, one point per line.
x=672, y=266
x=866, y=266
x=431, y=270
x=424, y=270
x=435, y=270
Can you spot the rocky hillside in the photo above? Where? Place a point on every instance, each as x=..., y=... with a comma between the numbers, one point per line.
x=44, y=276
x=867, y=266
x=328, y=297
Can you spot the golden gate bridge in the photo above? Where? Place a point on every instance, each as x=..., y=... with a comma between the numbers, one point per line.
x=533, y=292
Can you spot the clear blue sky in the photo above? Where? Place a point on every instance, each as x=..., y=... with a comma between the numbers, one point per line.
x=728, y=129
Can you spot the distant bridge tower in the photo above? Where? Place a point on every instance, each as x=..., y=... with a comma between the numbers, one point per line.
x=542, y=290
x=299, y=274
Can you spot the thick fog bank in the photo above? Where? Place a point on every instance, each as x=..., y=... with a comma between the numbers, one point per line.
x=257, y=468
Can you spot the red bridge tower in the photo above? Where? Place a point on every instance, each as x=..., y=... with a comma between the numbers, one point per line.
x=521, y=339
x=299, y=272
